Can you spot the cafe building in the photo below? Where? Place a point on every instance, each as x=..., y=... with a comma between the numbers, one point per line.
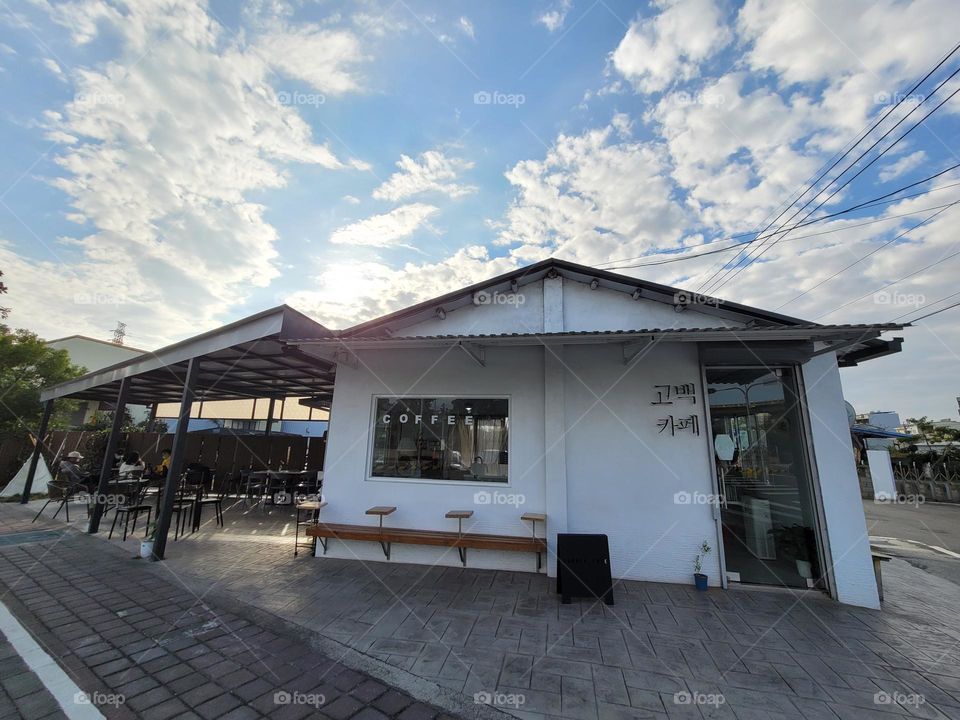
x=559, y=398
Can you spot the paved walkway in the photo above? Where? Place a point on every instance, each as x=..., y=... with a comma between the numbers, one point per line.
x=661, y=651
x=140, y=644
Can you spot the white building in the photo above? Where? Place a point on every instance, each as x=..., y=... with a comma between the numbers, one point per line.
x=93, y=354
x=607, y=404
x=611, y=405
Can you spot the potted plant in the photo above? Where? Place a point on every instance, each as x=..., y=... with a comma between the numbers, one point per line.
x=700, y=578
x=146, y=545
x=793, y=541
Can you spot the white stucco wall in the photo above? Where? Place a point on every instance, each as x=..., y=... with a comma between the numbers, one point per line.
x=847, y=536
x=622, y=312
x=582, y=309
x=623, y=475
x=513, y=372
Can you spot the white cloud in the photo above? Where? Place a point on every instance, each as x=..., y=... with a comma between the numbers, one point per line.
x=54, y=68
x=163, y=145
x=554, y=18
x=669, y=47
x=466, y=27
x=902, y=166
x=326, y=59
x=384, y=230
x=431, y=172
x=352, y=200
x=592, y=198
x=349, y=292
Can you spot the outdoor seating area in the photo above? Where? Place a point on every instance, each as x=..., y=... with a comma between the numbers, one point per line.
x=131, y=505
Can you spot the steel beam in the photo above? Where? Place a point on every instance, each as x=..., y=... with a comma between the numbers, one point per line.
x=176, y=460
x=106, y=469
x=35, y=457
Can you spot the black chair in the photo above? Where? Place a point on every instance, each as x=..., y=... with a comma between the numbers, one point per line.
x=64, y=491
x=132, y=506
x=183, y=507
x=203, y=481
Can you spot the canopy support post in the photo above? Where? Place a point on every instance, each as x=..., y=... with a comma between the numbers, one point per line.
x=176, y=460
x=35, y=457
x=106, y=469
x=266, y=432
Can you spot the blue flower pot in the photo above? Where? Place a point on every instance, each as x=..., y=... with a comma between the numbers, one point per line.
x=700, y=580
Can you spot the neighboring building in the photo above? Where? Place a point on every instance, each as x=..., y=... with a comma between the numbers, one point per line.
x=94, y=354
x=885, y=425
x=250, y=417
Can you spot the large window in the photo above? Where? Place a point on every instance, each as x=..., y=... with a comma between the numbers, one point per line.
x=441, y=438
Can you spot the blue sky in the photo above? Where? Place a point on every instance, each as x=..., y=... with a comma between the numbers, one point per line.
x=177, y=165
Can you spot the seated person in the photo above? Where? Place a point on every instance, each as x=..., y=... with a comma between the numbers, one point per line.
x=131, y=466
x=160, y=470
x=70, y=469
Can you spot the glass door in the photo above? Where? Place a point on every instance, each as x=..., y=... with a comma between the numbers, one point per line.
x=768, y=509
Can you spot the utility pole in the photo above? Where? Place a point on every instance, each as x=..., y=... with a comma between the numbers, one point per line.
x=119, y=333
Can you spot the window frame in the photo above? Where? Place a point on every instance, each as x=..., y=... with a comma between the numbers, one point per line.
x=371, y=431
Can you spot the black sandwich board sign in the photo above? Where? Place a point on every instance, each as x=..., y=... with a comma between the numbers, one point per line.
x=583, y=567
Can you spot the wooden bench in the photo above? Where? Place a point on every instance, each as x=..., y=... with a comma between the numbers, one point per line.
x=386, y=536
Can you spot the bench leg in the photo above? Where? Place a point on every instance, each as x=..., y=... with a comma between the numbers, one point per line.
x=385, y=546
x=538, y=562
x=323, y=542
x=463, y=555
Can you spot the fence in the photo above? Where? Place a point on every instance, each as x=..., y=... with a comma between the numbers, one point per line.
x=929, y=483
x=227, y=455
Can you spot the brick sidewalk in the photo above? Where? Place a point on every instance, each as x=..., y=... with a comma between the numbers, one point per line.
x=120, y=628
x=21, y=692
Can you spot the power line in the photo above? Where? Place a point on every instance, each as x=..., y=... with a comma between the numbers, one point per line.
x=894, y=282
x=880, y=200
x=764, y=247
x=737, y=267
x=726, y=248
x=935, y=302
x=872, y=252
x=936, y=312
x=860, y=139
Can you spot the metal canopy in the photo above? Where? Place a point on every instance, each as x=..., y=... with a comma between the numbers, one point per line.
x=250, y=358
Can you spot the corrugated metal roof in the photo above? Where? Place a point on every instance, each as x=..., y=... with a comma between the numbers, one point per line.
x=809, y=329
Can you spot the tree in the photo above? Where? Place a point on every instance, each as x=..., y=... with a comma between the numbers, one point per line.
x=27, y=365
x=4, y=311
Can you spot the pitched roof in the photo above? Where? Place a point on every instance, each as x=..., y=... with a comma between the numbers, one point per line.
x=536, y=272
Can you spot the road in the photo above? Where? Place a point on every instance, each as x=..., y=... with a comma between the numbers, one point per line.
x=927, y=535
